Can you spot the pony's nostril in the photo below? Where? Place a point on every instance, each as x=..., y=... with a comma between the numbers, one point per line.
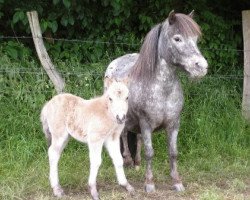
x=197, y=64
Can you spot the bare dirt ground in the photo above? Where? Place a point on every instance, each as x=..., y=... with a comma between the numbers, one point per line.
x=111, y=191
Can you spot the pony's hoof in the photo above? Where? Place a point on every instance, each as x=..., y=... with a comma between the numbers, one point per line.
x=128, y=162
x=178, y=187
x=150, y=188
x=137, y=167
x=58, y=191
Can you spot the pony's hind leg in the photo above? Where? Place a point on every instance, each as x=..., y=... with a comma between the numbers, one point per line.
x=95, y=151
x=172, y=146
x=113, y=147
x=54, y=153
x=128, y=161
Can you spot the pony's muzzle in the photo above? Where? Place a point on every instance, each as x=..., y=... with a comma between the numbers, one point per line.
x=120, y=119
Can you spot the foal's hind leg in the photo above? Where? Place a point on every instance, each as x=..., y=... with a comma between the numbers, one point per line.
x=128, y=161
x=95, y=151
x=172, y=145
x=54, y=153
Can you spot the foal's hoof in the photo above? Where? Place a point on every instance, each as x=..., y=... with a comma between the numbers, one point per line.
x=95, y=197
x=130, y=189
x=150, y=188
x=178, y=187
x=58, y=191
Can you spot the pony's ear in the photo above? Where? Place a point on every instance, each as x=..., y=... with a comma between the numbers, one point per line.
x=191, y=14
x=171, y=17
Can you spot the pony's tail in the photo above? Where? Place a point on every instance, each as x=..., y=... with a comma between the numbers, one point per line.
x=45, y=125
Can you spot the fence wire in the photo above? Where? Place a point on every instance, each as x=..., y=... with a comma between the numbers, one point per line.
x=79, y=73
x=106, y=42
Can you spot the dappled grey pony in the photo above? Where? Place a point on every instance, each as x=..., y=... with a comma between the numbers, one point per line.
x=156, y=96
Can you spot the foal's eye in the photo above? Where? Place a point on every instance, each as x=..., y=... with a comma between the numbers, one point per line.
x=126, y=98
x=110, y=99
x=177, y=39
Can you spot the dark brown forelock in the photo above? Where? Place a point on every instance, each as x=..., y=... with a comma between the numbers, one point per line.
x=186, y=25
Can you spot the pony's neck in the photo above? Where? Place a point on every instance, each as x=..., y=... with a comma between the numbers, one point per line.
x=165, y=71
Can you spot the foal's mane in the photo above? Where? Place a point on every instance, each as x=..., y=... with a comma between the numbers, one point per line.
x=146, y=64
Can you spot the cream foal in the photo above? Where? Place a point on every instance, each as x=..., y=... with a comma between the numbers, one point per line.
x=97, y=122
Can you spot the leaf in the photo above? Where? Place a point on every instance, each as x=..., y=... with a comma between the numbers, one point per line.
x=44, y=25
x=12, y=52
x=54, y=26
x=55, y=2
x=66, y=3
x=21, y=15
x=15, y=18
x=1, y=15
x=71, y=20
x=64, y=20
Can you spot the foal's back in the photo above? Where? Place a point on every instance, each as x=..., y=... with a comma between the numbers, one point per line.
x=70, y=114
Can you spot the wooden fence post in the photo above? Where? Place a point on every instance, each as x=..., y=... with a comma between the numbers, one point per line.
x=44, y=58
x=246, y=85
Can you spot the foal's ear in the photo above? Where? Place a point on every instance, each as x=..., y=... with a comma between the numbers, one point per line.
x=126, y=80
x=171, y=17
x=107, y=82
x=191, y=14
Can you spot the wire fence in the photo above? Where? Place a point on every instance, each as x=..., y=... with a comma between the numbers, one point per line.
x=107, y=42
x=79, y=73
x=84, y=72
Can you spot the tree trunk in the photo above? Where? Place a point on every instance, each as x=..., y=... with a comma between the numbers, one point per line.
x=44, y=58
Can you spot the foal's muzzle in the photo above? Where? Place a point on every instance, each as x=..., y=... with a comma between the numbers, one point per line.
x=120, y=119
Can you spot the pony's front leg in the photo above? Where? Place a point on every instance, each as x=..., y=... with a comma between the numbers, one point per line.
x=172, y=146
x=113, y=147
x=149, y=153
x=95, y=151
x=128, y=161
x=138, y=151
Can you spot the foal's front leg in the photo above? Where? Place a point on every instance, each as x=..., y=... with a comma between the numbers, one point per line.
x=172, y=145
x=113, y=147
x=95, y=151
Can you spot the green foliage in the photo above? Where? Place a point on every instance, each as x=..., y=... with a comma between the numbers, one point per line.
x=121, y=21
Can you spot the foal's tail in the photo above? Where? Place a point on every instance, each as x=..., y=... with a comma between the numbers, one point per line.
x=45, y=125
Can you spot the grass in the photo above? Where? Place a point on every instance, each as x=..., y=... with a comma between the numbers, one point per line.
x=213, y=140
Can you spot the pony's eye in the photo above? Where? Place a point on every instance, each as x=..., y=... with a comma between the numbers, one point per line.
x=177, y=39
x=126, y=98
x=110, y=99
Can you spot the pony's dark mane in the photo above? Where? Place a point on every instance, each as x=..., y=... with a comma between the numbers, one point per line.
x=147, y=62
